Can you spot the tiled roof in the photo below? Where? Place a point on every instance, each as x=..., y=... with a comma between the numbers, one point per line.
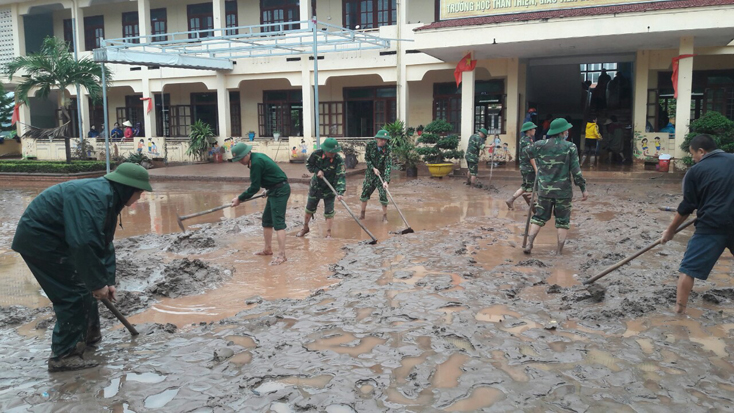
x=576, y=12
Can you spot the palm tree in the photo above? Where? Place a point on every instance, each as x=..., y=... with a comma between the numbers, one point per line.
x=54, y=68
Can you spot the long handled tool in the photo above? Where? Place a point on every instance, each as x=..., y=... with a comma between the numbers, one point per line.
x=180, y=219
x=374, y=240
x=119, y=316
x=637, y=254
x=491, y=164
x=530, y=211
x=406, y=230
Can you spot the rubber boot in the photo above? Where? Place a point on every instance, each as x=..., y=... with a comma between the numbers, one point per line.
x=94, y=335
x=562, y=233
x=71, y=361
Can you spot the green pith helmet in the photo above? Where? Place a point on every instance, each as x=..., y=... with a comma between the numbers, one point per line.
x=330, y=145
x=239, y=151
x=131, y=174
x=484, y=131
x=383, y=134
x=527, y=126
x=559, y=125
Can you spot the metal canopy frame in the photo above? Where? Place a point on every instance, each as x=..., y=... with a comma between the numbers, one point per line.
x=215, y=51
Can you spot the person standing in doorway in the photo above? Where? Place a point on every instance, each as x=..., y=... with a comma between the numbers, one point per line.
x=556, y=161
x=591, y=145
x=324, y=163
x=707, y=189
x=473, y=151
x=527, y=169
x=264, y=173
x=378, y=158
x=65, y=237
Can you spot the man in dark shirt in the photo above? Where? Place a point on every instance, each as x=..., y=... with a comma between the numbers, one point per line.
x=266, y=174
x=707, y=189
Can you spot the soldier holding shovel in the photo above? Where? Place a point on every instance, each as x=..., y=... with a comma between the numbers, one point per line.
x=526, y=167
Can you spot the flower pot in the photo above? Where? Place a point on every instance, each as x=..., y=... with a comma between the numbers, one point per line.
x=251, y=136
x=439, y=170
x=350, y=161
x=411, y=172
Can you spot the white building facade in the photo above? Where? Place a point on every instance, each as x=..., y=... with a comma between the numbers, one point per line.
x=529, y=55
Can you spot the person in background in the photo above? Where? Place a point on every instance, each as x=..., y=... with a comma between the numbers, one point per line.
x=378, y=158
x=324, y=163
x=92, y=132
x=473, y=152
x=527, y=170
x=129, y=134
x=116, y=134
x=593, y=137
x=138, y=130
x=707, y=189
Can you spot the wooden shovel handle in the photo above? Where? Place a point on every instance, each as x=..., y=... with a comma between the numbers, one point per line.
x=349, y=210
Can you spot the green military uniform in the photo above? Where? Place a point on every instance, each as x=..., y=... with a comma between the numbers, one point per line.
x=556, y=160
x=473, y=150
x=335, y=172
x=526, y=168
x=65, y=236
x=379, y=158
x=265, y=173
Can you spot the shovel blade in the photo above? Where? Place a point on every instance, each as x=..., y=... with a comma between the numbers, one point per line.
x=407, y=231
x=180, y=223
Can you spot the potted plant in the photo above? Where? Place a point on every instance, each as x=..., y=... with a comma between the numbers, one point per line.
x=350, y=155
x=276, y=136
x=201, y=138
x=439, y=146
x=251, y=135
x=403, y=147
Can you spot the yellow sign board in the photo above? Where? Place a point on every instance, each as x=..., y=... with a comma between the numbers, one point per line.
x=459, y=9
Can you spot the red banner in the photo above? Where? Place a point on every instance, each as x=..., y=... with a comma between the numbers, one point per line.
x=674, y=78
x=464, y=65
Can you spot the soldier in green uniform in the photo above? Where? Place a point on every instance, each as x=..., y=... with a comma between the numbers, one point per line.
x=556, y=160
x=527, y=170
x=473, y=150
x=379, y=163
x=265, y=173
x=65, y=236
x=324, y=163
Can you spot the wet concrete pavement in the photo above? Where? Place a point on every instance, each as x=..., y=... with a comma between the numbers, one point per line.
x=451, y=318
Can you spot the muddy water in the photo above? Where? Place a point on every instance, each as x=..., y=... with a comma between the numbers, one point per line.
x=452, y=318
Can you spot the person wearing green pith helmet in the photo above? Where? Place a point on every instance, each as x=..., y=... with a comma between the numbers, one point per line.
x=473, y=150
x=265, y=173
x=379, y=164
x=324, y=163
x=556, y=161
x=65, y=237
x=527, y=165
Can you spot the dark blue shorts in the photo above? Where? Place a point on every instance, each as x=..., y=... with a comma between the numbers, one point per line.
x=702, y=253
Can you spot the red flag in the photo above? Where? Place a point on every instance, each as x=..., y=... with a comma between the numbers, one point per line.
x=150, y=104
x=674, y=78
x=16, y=114
x=464, y=65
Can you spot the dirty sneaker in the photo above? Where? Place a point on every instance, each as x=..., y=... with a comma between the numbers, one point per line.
x=69, y=363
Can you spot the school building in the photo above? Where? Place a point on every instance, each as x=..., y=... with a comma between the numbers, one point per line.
x=548, y=55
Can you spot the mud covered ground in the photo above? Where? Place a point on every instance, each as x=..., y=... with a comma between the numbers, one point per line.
x=451, y=318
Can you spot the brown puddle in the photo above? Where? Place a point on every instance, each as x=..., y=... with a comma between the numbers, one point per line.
x=338, y=339
x=480, y=398
x=447, y=373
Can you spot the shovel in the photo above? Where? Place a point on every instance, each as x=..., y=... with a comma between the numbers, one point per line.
x=530, y=212
x=119, y=316
x=408, y=230
x=374, y=240
x=637, y=254
x=181, y=219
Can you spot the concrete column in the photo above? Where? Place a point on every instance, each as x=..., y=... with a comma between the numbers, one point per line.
x=150, y=120
x=144, y=20
x=305, y=13
x=308, y=95
x=641, y=81
x=77, y=13
x=86, y=116
x=19, y=30
x=683, y=103
x=402, y=98
x=220, y=15
x=223, y=109
x=467, y=110
x=512, y=101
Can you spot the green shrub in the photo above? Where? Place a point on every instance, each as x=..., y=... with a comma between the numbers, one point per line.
x=715, y=125
x=440, y=145
x=50, y=167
